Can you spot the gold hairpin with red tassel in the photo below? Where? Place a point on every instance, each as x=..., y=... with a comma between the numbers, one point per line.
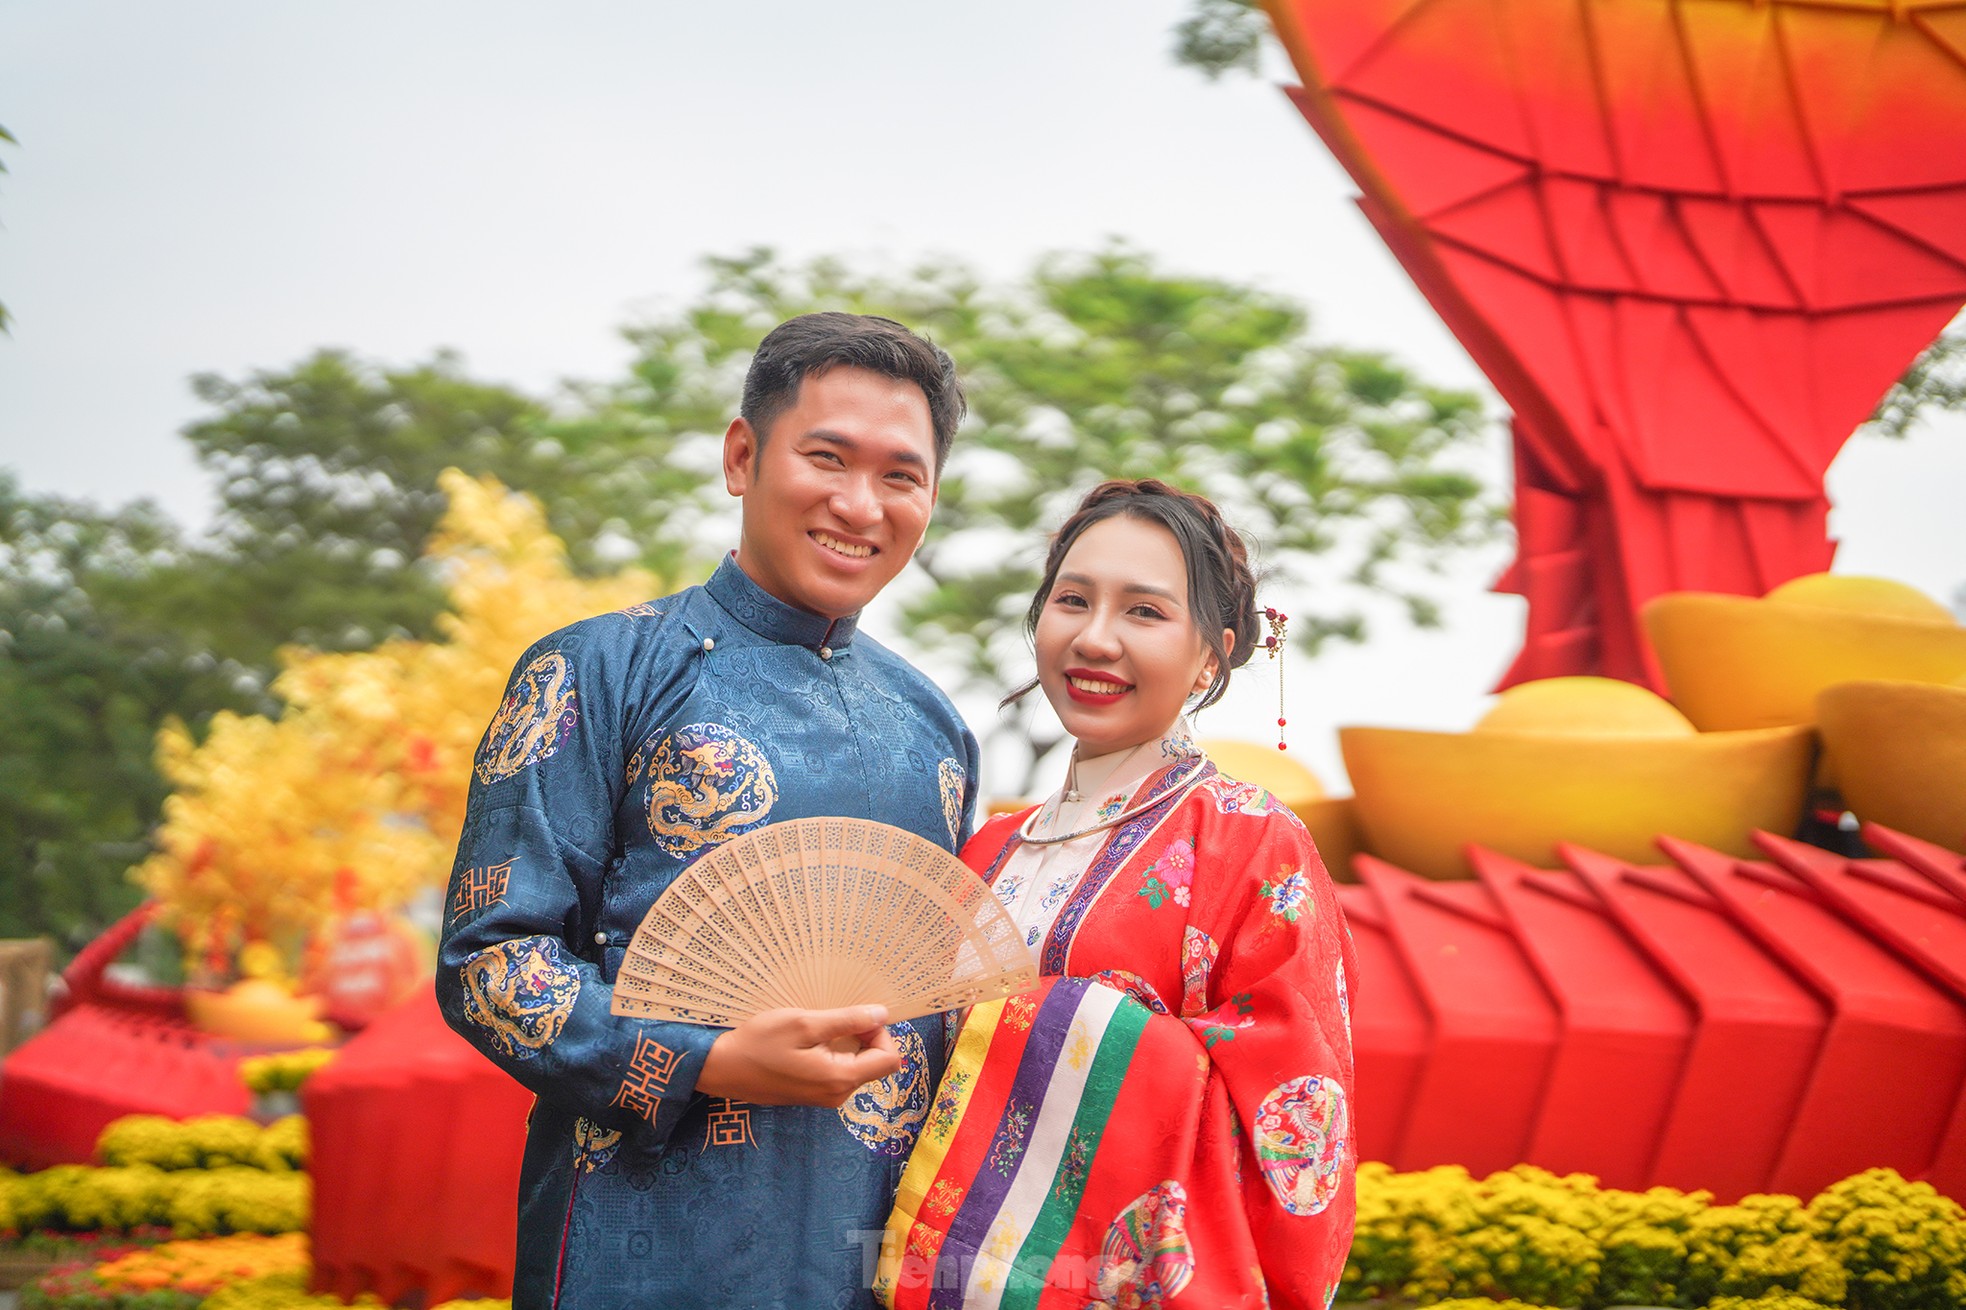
x=1274, y=645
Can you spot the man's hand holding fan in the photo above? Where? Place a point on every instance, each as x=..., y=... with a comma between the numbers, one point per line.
x=805, y=938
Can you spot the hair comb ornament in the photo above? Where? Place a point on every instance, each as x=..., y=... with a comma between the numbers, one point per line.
x=1274, y=645
x=820, y=913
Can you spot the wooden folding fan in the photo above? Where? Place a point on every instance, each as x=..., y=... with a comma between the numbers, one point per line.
x=816, y=914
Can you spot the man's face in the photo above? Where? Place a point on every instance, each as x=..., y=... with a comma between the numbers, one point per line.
x=838, y=498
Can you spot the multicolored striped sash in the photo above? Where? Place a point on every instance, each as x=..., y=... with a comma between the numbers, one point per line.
x=999, y=1203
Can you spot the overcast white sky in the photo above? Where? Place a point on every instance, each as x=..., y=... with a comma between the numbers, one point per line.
x=209, y=186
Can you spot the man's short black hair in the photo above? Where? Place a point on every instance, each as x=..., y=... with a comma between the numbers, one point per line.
x=812, y=344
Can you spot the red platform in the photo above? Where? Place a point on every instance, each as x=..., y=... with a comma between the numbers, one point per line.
x=1753, y=1045
x=1391, y=1036
x=1625, y=1029
x=1733, y=1025
x=111, y=1049
x=98, y=1062
x=1494, y=1028
x=1916, y=917
x=416, y=1142
x=1894, y=1054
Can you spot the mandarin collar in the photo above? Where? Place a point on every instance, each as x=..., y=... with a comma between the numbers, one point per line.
x=1140, y=771
x=770, y=617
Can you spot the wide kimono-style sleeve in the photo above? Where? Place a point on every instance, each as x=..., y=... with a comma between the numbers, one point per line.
x=1267, y=964
x=516, y=969
x=1095, y=1144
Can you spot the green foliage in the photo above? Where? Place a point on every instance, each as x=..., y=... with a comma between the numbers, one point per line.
x=1935, y=383
x=1106, y=365
x=327, y=480
x=1221, y=36
x=8, y=137
x=1100, y=365
x=92, y=660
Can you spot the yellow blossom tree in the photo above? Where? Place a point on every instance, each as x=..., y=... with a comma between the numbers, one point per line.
x=352, y=799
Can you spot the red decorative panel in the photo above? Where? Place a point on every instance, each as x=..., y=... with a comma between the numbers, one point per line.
x=1734, y=1025
x=1690, y=243
x=98, y=1062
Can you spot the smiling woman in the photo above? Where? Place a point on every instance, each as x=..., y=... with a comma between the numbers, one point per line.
x=1119, y=651
x=1195, y=1002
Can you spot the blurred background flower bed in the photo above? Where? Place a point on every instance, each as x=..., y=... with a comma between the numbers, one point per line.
x=1869, y=1242
x=233, y=1195
x=203, y=1177
x=240, y=1272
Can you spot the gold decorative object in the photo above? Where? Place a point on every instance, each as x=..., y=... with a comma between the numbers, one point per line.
x=1900, y=750
x=1590, y=761
x=1738, y=662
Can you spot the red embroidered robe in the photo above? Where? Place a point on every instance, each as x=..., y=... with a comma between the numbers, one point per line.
x=1166, y=1120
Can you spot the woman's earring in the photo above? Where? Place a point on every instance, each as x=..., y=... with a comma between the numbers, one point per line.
x=1274, y=645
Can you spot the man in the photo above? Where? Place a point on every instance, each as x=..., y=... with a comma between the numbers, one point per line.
x=666, y=1164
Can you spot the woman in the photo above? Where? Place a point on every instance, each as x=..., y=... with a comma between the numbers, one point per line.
x=1166, y=1119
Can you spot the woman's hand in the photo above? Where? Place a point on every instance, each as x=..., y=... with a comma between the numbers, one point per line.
x=800, y=1057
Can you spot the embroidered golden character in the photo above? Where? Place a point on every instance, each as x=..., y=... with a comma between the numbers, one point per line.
x=647, y=1079
x=480, y=889
x=729, y=1124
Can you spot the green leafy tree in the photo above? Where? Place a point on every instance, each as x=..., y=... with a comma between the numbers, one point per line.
x=1339, y=463
x=326, y=474
x=1935, y=383
x=90, y=667
x=327, y=480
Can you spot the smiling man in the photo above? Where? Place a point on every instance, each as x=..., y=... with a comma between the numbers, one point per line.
x=666, y=1164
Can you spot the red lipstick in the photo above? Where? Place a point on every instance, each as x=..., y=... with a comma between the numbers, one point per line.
x=1084, y=697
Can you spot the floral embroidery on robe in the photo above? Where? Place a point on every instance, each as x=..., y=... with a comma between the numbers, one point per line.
x=1234, y=1181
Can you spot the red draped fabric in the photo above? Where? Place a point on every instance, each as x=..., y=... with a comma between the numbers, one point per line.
x=416, y=1140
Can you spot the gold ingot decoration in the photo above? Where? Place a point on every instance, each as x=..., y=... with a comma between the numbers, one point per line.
x=1267, y=767
x=1333, y=824
x=1737, y=662
x=1900, y=749
x=1333, y=828
x=258, y=1010
x=1592, y=761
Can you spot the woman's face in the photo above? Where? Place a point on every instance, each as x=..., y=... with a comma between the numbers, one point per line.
x=1118, y=649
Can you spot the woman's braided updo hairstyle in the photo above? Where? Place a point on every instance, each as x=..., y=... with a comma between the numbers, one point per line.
x=1221, y=585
